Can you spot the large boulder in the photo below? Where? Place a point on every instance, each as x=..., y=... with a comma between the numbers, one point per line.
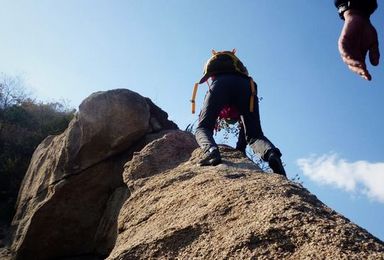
x=229, y=211
x=72, y=192
x=107, y=123
x=101, y=191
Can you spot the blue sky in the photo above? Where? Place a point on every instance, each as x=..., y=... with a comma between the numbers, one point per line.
x=326, y=120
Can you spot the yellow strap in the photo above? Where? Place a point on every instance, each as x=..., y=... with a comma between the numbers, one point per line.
x=193, y=97
x=252, y=98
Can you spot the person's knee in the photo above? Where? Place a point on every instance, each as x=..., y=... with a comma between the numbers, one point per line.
x=272, y=153
x=203, y=130
x=254, y=139
x=263, y=147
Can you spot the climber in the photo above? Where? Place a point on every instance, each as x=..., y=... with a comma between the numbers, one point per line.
x=231, y=85
x=358, y=35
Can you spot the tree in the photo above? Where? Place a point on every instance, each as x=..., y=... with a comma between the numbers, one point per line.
x=12, y=91
x=24, y=123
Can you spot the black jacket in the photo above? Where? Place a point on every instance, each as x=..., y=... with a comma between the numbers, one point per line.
x=366, y=6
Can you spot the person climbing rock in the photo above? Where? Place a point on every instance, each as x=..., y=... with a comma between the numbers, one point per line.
x=358, y=36
x=232, y=86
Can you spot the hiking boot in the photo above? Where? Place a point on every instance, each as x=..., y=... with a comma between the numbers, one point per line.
x=211, y=157
x=276, y=165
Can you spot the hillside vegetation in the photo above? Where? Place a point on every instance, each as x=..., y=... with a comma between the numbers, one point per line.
x=24, y=123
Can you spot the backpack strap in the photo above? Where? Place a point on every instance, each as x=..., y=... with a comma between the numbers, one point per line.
x=194, y=97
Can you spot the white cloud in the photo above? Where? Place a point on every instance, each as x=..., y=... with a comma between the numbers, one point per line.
x=360, y=176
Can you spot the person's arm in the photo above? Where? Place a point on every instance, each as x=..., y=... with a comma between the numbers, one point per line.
x=358, y=35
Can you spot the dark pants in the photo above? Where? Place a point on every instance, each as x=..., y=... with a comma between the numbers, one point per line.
x=232, y=89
